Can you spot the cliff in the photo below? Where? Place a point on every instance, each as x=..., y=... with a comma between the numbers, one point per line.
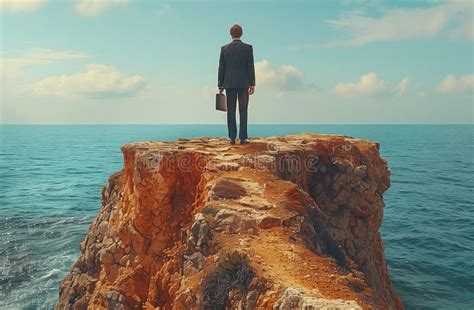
x=282, y=223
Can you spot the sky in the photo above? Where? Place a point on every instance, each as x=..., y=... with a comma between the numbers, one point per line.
x=317, y=62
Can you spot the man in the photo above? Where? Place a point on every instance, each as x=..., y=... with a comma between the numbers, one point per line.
x=237, y=77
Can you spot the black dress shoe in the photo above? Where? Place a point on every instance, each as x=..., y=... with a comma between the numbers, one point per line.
x=232, y=142
x=244, y=141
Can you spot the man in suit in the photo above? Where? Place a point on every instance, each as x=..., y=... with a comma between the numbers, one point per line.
x=237, y=77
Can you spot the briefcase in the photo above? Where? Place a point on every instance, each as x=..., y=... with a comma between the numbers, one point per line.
x=221, y=102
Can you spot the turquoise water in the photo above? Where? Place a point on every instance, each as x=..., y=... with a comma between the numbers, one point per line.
x=51, y=178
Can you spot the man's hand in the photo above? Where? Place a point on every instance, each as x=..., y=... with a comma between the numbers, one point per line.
x=251, y=90
x=221, y=90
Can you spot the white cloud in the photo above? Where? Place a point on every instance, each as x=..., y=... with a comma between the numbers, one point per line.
x=96, y=7
x=283, y=79
x=21, y=5
x=465, y=27
x=451, y=84
x=163, y=9
x=99, y=81
x=13, y=67
x=455, y=17
x=403, y=86
x=370, y=85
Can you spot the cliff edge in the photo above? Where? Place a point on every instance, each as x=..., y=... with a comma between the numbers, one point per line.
x=286, y=222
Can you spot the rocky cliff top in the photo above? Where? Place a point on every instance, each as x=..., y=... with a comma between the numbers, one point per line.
x=285, y=222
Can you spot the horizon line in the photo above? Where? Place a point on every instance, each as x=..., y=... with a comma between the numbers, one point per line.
x=205, y=124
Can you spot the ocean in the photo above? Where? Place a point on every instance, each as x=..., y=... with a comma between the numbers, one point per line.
x=51, y=177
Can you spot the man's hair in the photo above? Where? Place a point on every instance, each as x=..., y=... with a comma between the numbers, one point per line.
x=236, y=31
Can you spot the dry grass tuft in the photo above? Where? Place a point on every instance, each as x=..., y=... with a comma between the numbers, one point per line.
x=232, y=273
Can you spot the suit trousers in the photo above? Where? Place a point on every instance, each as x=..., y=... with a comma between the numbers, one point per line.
x=243, y=95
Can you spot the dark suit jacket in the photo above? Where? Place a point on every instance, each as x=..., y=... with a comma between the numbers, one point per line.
x=236, y=68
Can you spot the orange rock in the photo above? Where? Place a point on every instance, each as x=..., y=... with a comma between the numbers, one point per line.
x=303, y=211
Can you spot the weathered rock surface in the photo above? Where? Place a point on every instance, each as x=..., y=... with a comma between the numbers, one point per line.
x=282, y=223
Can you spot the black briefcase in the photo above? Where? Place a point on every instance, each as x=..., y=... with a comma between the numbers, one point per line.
x=221, y=102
